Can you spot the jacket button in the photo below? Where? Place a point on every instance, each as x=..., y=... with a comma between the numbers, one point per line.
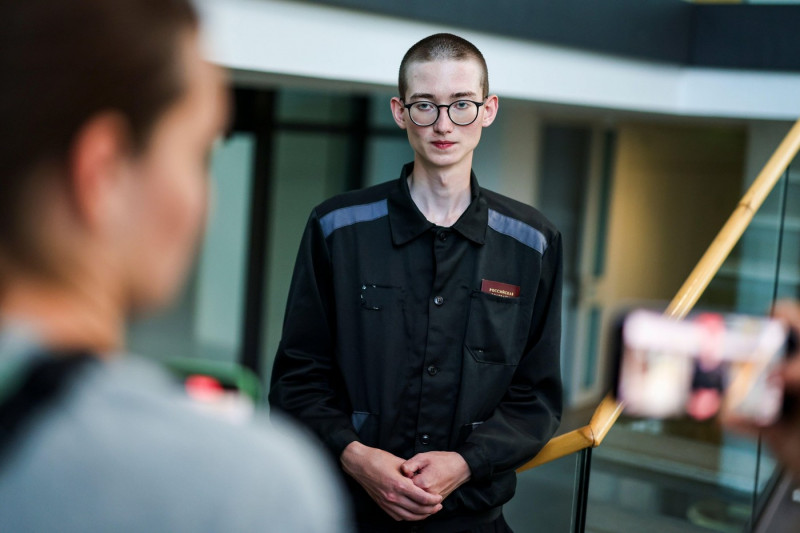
x=438, y=300
x=425, y=439
x=432, y=370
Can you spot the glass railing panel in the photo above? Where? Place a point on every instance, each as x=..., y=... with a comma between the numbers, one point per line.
x=684, y=475
x=544, y=498
x=787, y=286
x=788, y=276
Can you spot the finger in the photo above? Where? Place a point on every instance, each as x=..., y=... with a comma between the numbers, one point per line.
x=400, y=514
x=407, y=470
x=791, y=374
x=397, y=512
x=425, y=482
x=419, y=495
x=401, y=507
x=788, y=311
x=405, y=507
x=414, y=465
x=408, y=510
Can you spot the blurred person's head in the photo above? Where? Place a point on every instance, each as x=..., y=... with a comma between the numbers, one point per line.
x=107, y=116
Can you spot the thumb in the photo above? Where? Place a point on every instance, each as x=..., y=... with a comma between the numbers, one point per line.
x=791, y=374
x=407, y=470
x=412, y=466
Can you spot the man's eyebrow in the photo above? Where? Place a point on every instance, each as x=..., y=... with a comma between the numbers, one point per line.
x=429, y=96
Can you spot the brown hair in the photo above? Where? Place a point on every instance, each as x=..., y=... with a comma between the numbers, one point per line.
x=63, y=62
x=440, y=47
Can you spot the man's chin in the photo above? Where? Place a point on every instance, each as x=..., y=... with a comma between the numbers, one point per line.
x=443, y=160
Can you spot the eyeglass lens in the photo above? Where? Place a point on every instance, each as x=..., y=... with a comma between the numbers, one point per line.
x=461, y=112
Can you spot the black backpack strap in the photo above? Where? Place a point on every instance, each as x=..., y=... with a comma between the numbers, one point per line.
x=39, y=384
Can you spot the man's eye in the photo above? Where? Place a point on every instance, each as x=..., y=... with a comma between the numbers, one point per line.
x=462, y=104
x=424, y=106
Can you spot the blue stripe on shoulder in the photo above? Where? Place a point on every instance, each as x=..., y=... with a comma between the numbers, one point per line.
x=347, y=216
x=516, y=229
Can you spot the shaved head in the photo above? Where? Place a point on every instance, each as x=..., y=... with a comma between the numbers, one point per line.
x=442, y=47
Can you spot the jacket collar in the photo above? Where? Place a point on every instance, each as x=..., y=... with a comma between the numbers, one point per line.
x=408, y=223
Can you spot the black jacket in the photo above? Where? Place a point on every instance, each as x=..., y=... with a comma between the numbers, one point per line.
x=410, y=337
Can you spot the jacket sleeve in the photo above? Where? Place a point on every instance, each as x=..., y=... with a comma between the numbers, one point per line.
x=306, y=382
x=530, y=412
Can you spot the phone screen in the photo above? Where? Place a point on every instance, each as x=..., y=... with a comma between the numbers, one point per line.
x=706, y=365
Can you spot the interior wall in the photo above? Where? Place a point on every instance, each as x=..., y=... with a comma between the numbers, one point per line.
x=507, y=159
x=674, y=187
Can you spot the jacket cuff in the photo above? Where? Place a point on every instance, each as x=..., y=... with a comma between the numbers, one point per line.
x=479, y=465
x=340, y=439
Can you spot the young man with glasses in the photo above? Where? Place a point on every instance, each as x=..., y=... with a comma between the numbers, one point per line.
x=422, y=333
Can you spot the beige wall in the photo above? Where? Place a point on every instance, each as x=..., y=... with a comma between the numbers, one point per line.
x=674, y=186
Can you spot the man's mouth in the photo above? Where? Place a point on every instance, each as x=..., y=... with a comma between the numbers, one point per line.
x=443, y=145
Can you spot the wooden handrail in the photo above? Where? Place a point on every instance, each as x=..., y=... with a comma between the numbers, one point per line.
x=606, y=414
x=588, y=436
x=733, y=229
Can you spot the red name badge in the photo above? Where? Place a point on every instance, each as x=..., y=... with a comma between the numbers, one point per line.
x=499, y=289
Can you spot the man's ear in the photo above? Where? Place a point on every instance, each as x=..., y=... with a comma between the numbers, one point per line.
x=100, y=154
x=399, y=112
x=490, y=109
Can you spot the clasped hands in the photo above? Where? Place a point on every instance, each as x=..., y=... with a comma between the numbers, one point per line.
x=406, y=490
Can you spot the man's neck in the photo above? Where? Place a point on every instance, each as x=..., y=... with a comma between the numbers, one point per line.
x=65, y=317
x=441, y=195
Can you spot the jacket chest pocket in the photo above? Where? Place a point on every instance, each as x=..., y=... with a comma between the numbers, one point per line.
x=496, y=328
x=381, y=298
x=375, y=355
x=381, y=331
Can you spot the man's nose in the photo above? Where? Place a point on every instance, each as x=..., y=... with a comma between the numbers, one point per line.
x=443, y=123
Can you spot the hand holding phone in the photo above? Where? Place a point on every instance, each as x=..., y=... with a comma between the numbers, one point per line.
x=783, y=437
x=707, y=365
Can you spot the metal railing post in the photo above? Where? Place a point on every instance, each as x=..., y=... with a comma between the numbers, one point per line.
x=580, y=499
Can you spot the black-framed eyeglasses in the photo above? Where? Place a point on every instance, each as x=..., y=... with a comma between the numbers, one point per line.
x=461, y=112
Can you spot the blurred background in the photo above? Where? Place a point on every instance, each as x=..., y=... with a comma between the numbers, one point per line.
x=634, y=125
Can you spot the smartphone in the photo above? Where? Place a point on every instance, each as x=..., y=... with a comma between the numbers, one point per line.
x=707, y=365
